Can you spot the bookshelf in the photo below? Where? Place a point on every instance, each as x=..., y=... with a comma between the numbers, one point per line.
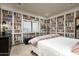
x=42, y=27
x=7, y=18
x=17, y=22
x=36, y=19
x=27, y=17
x=17, y=39
x=17, y=28
x=60, y=25
x=77, y=25
x=53, y=26
x=47, y=24
x=69, y=25
x=77, y=13
x=14, y=21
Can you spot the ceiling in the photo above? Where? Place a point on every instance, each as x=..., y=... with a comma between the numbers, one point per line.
x=43, y=9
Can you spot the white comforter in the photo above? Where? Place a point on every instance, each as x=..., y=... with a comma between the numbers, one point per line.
x=60, y=46
x=44, y=37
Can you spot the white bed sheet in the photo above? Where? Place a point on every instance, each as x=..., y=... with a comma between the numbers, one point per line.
x=59, y=46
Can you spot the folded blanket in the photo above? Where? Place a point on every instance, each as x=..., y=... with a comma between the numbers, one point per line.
x=36, y=39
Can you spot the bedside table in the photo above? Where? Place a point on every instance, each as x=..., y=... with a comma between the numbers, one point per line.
x=5, y=45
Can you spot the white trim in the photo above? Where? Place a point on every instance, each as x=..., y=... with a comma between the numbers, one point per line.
x=64, y=25
x=74, y=20
x=22, y=28
x=13, y=28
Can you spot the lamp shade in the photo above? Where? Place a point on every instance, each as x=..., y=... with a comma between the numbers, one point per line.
x=4, y=22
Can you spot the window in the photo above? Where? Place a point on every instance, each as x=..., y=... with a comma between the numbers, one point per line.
x=29, y=26
x=26, y=26
x=35, y=27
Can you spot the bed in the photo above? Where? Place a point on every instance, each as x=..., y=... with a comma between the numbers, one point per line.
x=58, y=46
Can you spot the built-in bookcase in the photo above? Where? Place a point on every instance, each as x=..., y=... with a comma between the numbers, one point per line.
x=77, y=25
x=14, y=23
x=17, y=28
x=64, y=24
x=17, y=39
x=42, y=27
x=69, y=25
x=47, y=25
x=7, y=19
x=77, y=13
x=60, y=25
x=53, y=26
x=17, y=22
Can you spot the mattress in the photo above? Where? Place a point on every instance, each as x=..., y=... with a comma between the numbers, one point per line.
x=59, y=46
